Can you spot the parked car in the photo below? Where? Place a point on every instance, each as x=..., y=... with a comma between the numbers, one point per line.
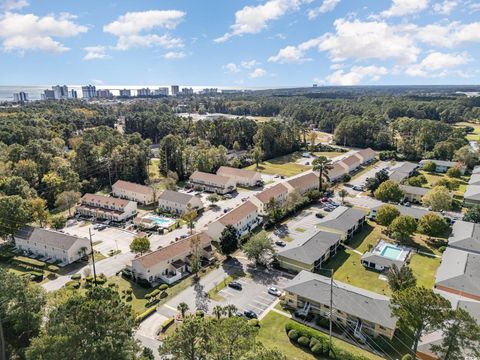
x=250, y=314
x=358, y=188
x=235, y=285
x=324, y=200
x=274, y=291
x=227, y=210
x=280, y=243
x=319, y=215
x=101, y=227
x=328, y=209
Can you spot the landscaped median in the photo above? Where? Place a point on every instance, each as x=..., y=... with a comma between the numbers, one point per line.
x=213, y=293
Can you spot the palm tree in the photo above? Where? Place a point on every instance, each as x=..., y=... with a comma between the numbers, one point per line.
x=183, y=308
x=218, y=311
x=323, y=165
x=342, y=193
x=230, y=309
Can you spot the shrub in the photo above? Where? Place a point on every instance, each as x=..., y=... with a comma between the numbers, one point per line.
x=166, y=324
x=101, y=280
x=145, y=314
x=53, y=268
x=429, y=166
x=128, y=298
x=76, y=276
x=253, y=322
x=199, y=313
x=35, y=276
x=154, y=293
x=442, y=249
x=407, y=357
x=454, y=172
x=322, y=322
x=313, y=342
x=147, y=296
x=163, y=287
x=317, y=349
x=293, y=335
x=28, y=261
x=89, y=279
x=163, y=294
x=111, y=285
x=144, y=283
x=129, y=291
x=72, y=284
x=303, y=341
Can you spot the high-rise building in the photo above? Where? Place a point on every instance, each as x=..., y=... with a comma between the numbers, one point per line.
x=104, y=94
x=207, y=91
x=125, y=93
x=187, y=91
x=163, y=91
x=73, y=94
x=143, y=92
x=89, y=91
x=61, y=92
x=48, y=94
x=20, y=97
x=175, y=89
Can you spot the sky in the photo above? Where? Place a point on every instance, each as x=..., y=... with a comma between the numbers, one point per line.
x=239, y=43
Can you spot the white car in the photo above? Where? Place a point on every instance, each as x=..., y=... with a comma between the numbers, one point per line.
x=274, y=291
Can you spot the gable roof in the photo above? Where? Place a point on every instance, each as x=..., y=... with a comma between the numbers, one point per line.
x=381, y=260
x=303, y=181
x=414, y=212
x=310, y=249
x=105, y=200
x=402, y=172
x=474, y=179
x=211, y=178
x=230, y=171
x=337, y=171
x=472, y=192
x=351, y=160
x=342, y=218
x=366, y=153
x=168, y=252
x=465, y=236
x=415, y=190
x=237, y=214
x=130, y=186
x=175, y=196
x=440, y=162
x=49, y=238
x=361, y=303
x=271, y=192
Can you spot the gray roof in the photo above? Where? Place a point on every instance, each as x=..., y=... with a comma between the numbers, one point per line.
x=415, y=190
x=472, y=192
x=476, y=170
x=381, y=260
x=440, y=162
x=474, y=179
x=402, y=172
x=175, y=196
x=47, y=237
x=310, y=249
x=342, y=218
x=358, y=302
x=414, y=212
x=465, y=236
x=459, y=270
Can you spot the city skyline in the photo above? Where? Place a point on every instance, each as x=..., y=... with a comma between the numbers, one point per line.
x=246, y=44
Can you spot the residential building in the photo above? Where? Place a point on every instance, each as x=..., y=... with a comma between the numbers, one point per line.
x=309, y=251
x=363, y=312
x=303, y=183
x=174, y=90
x=465, y=236
x=172, y=262
x=178, y=203
x=242, y=177
x=212, y=182
x=143, y=92
x=187, y=91
x=48, y=94
x=162, y=91
x=414, y=212
x=365, y=155
x=73, y=94
x=385, y=255
x=243, y=218
x=402, y=172
x=344, y=221
x=142, y=194
x=413, y=193
x=89, y=91
x=106, y=207
x=471, y=197
x=51, y=245
x=459, y=273
x=442, y=166
x=20, y=97
x=336, y=172
x=60, y=92
x=104, y=94
x=125, y=93
x=350, y=163
x=474, y=179
x=278, y=192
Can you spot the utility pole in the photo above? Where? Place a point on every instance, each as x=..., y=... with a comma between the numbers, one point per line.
x=93, y=257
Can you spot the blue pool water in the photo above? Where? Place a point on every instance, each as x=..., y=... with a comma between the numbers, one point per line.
x=161, y=221
x=391, y=252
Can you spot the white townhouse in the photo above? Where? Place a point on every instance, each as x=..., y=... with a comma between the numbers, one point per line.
x=336, y=172
x=51, y=245
x=142, y=194
x=442, y=166
x=350, y=163
x=365, y=155
x=303, y=183
x=242, y=177
x=212, y=182
x=171, y=263
x=278, y=192
x=178, y=203
x=243, y=218
x=106, y=207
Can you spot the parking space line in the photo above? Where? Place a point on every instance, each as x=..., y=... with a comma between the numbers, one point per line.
x=242, y=281
x=262, y=309
x=261, y=303
x=270, y=299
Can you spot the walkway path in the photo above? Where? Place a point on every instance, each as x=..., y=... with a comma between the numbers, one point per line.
x=352, y=249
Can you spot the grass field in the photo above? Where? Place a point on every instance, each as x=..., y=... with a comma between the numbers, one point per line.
x=433, y=178
x=328, y=154
x=272, y=334
x=283, y=165
x=475, y=136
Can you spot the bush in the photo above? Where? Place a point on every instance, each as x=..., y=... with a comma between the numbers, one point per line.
x=129, y=291
x=72, y=284
x=163, y=287
x=144, y=283
x=293, y=335
x=29, y=261
x=429, y=166
x=303, y=341
x=322, y=322
x=199, y=313
x=111, y=285
x=53, y=268
x=128, y=298
x=407, y=357
x=166, y=324
x=35, y=275
x=313, y=342
x=145, y=314
x=147, y=296
x=442, y=249
x=253, y=322
x=317, y=349
x=76, y=277
x=454, y=172
x=154, y=293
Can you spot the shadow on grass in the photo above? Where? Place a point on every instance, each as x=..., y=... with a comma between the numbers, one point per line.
x=360, y=236
x=334, y=263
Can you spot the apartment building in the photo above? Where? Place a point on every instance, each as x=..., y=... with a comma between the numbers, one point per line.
x=242, y=177
x=243, y=218
x=212, y=182
x=106, y=207
x=178, y=203
x=142, y=194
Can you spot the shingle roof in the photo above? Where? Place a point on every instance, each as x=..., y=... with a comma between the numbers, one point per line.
x=414, y=212
x=415, y=190
x=168, y=252
x=311, y=249
x=472, y=192
x=130, y=186
x=440, y=162
x=337, y=171
x=105, y=200
x=402, y=172
x=303, y=180
x=358, y=302
x=459, y=270
x=367, y=153
x=237, y=214
x=49, y=238
x=476, y=170
x=175, y=196
x=351, y=160
x=207, y=177
x=381, y=260
x=271, y=192
x=342, y=218
x=474, y=179
x=465, y=236
x=230, y=171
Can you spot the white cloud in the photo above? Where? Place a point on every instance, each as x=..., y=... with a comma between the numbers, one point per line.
x=405, y=7
x=248, y=64
x=327, y=5
x=95, y=53
x=450, y=35
x=446, y=7
x=174, y=55
x=136, y=22
x=257, y=73
x=437, y=63
x=23, y=32
x=254, y=19
x=129, y=29
x=9, y=5
x=290, y=55
x=356, y=75
x=232, y=68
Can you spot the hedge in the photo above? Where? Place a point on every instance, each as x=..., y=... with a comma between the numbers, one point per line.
x=253, y=322
x=72, y=284
x=163, y=287
x=29, y=261
x=167, y=323
x=76, y=276
x=293, y=335
x=53, y=268
x=154, y=293
x=145, y=314
x=304, y=341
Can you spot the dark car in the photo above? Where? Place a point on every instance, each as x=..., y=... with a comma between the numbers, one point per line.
x=318, y=215
x=235, y=285
x=280, y=243
x=250, y=314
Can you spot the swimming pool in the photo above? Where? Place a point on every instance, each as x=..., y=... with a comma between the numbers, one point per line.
x=161, y=220
x=391, y=252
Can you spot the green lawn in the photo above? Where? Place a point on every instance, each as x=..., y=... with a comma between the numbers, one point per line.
x=283, y=165
x=328, y=154
x=432, y=179
x=424, y=268
x=272, y=334
x=475, y=135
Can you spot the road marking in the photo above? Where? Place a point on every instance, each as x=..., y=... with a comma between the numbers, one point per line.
x=262, y=309
x=225, y=292
x=267, y=299
x=169, y=307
